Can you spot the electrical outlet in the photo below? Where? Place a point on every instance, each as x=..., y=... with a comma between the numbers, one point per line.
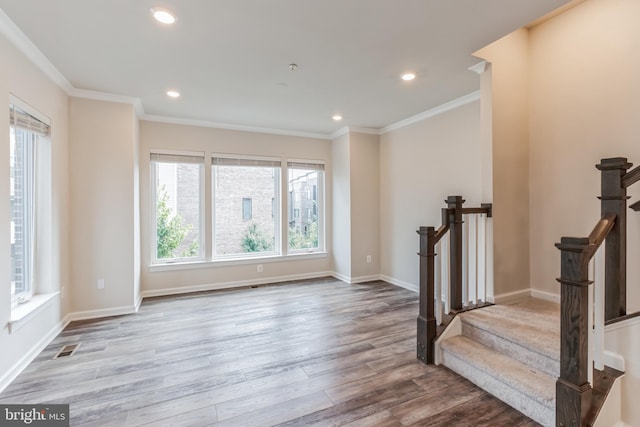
x=100, y=283
x=368, y=259
x=259, y=268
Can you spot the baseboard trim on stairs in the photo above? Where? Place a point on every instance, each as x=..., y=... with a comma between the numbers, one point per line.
x=523, y=293
x=547, y=296
x=509, y=296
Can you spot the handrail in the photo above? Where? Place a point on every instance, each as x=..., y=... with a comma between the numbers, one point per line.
x=631, y=177
x=601, y=231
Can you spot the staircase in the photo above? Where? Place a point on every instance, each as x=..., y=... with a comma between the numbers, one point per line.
x=546, y=360
x=512, y=351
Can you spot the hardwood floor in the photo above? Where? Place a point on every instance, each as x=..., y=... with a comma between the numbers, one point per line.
x=312, y=353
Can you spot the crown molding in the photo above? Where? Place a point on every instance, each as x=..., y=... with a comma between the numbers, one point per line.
x=443, y=108
x=342, y=131
x=10, y=30
x=347, y=129
x=229, y=126
x=109, y=97
x=369, y=131
x=479, y=68
x=15, y=35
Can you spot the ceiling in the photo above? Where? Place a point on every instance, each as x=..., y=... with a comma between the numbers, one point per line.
x=230, y=59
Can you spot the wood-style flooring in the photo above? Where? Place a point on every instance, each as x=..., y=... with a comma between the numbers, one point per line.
x=310, y=353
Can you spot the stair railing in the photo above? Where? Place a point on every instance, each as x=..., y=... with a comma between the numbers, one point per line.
x=585, y=310
x=457, y=279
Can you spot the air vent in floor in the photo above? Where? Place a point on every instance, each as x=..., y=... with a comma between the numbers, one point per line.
x=67, y=351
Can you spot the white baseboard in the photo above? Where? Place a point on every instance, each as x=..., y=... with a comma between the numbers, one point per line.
x=21, y=364
x=547, y=296
x=235, y=284
x=362, y=279
x=509, y=296
x=102, y=312
x=400, y=283
x=614, y=360
x=138, y=302
x=342, y=277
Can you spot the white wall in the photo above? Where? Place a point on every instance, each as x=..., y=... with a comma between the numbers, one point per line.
x=585, y=104
x=102, y=184
x=21, y=78
x=420, y=165
x=155, y=135
x=341, y=212
x=365, y=205
x=509, y=122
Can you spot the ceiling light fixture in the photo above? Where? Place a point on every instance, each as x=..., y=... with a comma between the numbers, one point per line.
x=337, y=117
x=163, y=15
x=408, y=77
x=173, y=94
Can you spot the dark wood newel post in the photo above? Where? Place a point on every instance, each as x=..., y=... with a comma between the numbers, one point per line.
x=614, y=201
x=426, y=318
x=454, y=205
x=573, y=391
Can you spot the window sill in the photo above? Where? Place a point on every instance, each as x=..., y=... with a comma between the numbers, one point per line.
x=22, y=313
x=236, y=261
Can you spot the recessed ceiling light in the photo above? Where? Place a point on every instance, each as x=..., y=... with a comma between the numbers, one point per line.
x=163, y=15
x=337, y=117
x=173, y=94
x=408, y=76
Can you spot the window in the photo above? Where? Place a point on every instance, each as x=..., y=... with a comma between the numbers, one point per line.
x=246, y=209
x=306, y=181
x=25, y=132
x=177, y=196
x=254, y=182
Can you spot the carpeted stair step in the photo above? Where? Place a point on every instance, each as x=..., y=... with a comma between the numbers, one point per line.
x=528, y=331
x=530, y=391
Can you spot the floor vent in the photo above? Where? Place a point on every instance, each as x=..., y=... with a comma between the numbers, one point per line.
x=67, y=351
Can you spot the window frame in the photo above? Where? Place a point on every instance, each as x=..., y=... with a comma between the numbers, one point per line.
x=320, y=167
x=25, y=118
x=154, y=200
x=277, y=215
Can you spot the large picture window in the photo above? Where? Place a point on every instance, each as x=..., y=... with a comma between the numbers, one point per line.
x=305, y=190
x=245, y=200
x=25, y=132
x=178, y=215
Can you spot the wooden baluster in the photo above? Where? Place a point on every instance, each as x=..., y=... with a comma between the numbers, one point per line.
x=426, y=319
x=614, y=200
x=573, y=391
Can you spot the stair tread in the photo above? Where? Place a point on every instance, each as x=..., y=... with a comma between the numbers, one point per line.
x=533, y=383
x=530, y=323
